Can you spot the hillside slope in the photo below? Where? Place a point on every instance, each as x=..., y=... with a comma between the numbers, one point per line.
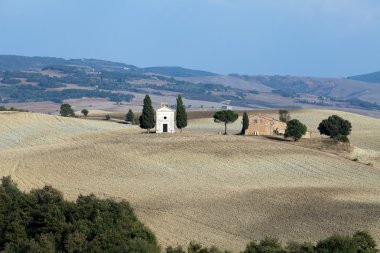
x=198, y=185
x=23, y=129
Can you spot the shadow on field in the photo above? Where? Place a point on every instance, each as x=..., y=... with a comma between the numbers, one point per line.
x=276, y=138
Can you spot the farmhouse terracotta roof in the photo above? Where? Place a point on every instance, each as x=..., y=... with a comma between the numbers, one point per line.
x=266, y=117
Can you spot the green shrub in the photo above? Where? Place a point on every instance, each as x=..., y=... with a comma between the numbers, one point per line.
x=295, y=247
x=42, y=221
x=295, y=129
x=364, y=242
x=85, y=112
x=177, y=249
x=336, y=244
x=342, y=138
x=66, y=111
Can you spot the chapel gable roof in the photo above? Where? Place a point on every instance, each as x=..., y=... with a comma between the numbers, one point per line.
x=165, y=109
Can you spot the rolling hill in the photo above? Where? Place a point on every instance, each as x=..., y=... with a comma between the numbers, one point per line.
x=199, y=185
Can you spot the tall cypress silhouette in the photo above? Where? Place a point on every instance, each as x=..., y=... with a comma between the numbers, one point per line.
x=181, y=116
x=245, y=123
x=146, y=119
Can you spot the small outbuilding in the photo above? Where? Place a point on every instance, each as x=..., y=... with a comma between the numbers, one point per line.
x=165, y=119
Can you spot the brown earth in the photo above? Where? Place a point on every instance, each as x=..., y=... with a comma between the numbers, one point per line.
x=198, y=185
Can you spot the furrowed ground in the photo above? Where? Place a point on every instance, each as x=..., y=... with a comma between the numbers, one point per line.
x=198, y=185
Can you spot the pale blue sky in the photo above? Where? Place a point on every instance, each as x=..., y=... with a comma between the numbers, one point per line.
x=295, y=37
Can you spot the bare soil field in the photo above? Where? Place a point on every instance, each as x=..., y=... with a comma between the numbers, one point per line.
x=198, y=185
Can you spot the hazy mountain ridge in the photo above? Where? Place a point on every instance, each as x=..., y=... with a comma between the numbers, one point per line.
x=373, y=77
x=334, y=87
x=178, y=72
x=56, y=79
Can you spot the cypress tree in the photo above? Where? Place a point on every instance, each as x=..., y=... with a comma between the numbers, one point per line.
x=245, y=123
x=130, y=116
x=181, y=116
x=147, y=120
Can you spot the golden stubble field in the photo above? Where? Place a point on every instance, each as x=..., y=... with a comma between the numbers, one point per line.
x=198, y=185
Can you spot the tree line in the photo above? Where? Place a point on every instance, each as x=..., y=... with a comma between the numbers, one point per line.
x=42, y=221
x=334, y=126
x=360, y=242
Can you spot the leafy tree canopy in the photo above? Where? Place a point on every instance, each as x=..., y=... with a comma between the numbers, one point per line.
x=85, y=112
x=66, y=111
x=295, y=129
x=42, y=221
x=225, y=116
x=284, y=115
x=335, y=127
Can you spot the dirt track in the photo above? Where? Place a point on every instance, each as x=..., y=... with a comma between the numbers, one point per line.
x=223, y=190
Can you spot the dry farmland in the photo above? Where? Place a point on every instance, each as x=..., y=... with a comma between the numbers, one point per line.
x=198, y=185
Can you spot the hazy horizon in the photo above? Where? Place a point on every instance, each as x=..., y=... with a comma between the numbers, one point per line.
x=308, y=38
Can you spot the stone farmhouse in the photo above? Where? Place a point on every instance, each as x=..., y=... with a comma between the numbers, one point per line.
x=266, y=125
x=165, y=120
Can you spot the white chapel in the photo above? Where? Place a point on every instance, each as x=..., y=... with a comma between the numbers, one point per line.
x=165, y=119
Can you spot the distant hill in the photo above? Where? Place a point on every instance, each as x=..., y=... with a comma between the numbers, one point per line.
x=39, y=79
x=16, y=63
x=371, y=77
x=178, y=72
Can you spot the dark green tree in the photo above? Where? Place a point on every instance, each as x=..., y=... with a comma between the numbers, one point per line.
x=364, y=242
x=177, y=249
x=335, y=127
x=295, y=247
x=42, y=221
x=267, y=245
x=336, y=244
x=225, y=116
x=284, y=115
x=66, y=111
x=130, y=116
x=147, y=120
x=245, y=123
x=85, y=112
x=295, y=129
x=181, y=115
